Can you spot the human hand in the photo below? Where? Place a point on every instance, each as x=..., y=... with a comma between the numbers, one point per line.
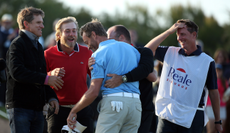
x=176, y=26
x=55, y=104
x=219, y=128
x=71, y=120
x=91, y=61
x=115, y=81
x=55, y=82
x=58, y=72
x=152, y=77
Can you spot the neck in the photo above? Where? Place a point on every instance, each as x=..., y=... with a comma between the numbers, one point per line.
x=68, y=50
x=101, y=39
x=190, y=50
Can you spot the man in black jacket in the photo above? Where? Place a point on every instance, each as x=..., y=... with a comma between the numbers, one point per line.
x=27, y=81
x=143, y=73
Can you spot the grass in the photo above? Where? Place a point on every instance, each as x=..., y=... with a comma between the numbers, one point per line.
x=3, y=112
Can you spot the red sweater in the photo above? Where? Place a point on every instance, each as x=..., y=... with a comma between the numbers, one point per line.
x=76, y=69
x=221, y=93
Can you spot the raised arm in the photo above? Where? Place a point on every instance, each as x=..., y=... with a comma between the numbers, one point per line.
x=155, y=42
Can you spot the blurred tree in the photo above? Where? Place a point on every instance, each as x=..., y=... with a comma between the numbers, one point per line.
x=52, y=8
x=147, y=24
x=211, y=34
x=226, y=36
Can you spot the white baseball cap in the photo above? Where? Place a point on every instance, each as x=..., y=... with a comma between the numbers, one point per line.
x=7, y=17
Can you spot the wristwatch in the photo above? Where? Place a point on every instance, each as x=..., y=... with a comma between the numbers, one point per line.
x=124, y=78
x=218, y=122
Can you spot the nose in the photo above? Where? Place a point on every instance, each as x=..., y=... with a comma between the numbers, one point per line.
x=42, y=26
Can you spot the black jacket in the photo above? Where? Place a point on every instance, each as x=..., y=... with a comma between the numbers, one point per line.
x=26, y=73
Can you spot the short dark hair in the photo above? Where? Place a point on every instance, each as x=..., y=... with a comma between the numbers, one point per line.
x=27, y=14
x=121, y=30
x=191, y=26
x=96, y=26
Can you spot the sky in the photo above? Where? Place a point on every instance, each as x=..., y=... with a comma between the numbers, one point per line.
x=219, y=9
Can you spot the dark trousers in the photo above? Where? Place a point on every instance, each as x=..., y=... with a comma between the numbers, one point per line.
x=153, y=127
x=25, y=120
x=56, y=122
x=146, y=121
x=165, y=126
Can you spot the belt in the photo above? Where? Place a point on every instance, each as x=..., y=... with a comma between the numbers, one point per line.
x=68, y=106
x=123, y=94
x=199, y=108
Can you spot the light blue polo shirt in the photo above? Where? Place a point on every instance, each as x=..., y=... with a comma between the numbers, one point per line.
x=115, y=57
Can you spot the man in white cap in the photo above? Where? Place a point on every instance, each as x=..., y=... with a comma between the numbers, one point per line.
x=7, y=34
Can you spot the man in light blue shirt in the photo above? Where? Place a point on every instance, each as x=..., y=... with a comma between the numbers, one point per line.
x=120, y=107
x=111, y=58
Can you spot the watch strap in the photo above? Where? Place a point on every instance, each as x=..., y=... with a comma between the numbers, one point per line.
x=218, y=122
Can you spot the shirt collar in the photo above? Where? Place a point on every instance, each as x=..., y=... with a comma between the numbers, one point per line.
x=30, y=34
x=106, y=42
x=197, y=52
x=75, y=49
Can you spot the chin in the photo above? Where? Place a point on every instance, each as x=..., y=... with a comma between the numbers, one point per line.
x=39, y=35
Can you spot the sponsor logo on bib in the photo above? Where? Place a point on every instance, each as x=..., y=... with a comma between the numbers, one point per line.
x=179, y=77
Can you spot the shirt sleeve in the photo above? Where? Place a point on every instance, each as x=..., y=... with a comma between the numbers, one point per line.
x=98, y=68
x=211, y=82
x=160, y=52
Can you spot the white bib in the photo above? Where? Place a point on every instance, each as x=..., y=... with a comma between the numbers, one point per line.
x=181, y=85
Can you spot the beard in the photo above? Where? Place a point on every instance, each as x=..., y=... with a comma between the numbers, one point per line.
x=68, y=43
x=93, y=46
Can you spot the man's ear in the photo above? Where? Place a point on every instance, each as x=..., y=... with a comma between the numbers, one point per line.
x=121, y=38
x=194, y=34
x=58, y=37
x=26, y=24
x=93, y=34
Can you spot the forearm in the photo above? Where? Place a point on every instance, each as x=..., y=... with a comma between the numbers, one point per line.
x=86, y=100
x=90, y=95
x=137, y=74
x=144, y=68
x=24, y=75
x=215, y=100
x=155, y=42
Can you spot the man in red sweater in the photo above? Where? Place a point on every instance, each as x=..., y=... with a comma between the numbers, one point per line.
x=69, y=60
